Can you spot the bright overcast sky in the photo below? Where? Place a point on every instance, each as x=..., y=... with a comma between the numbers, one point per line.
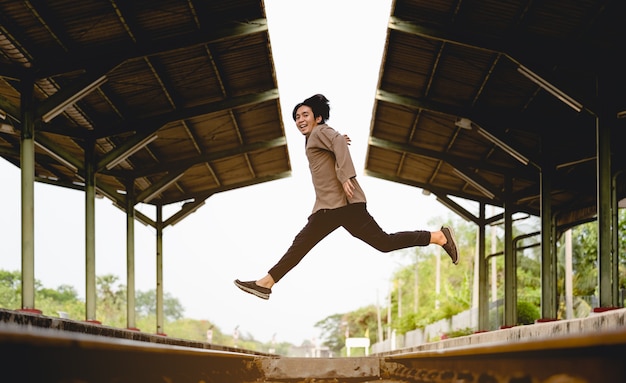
x=332, y=47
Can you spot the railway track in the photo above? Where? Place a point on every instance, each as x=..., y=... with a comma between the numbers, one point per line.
x=44, y=355
x=589, y=358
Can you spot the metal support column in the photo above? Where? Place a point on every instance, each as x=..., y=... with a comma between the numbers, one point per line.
x=130, y=256
x=603, y=153
x=159, y=269
x=483, y=298
x=548, y=248
x=90, y=232
x=27, y=163
x=615, y=238
x=510, y=265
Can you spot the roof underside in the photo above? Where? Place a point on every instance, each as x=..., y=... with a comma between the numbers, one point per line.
x=181, y=97
x=178, y=100
x=454, y=109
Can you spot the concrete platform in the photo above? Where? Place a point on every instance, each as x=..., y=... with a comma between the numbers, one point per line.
x=61, y=350
x=10, y=319
x=607, y=321
x=603, y=322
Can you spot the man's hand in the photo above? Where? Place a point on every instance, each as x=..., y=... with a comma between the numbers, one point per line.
x=348, y=188
x=348, y=140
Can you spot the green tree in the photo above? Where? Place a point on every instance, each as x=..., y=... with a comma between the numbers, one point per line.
x=193, y=329
x=10, y=289
x=362, y=322
x=111, y=309
x=111, y=301
x=63, y=300
x=416, y=282
x=584, y=259
x=331, y=332
x=51, y=302
x=621, y=234
x=585, y=256
x=529, y=278
x=145, y=302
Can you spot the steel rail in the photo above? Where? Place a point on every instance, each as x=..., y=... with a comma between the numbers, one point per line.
x=48, y=355
x=584, y=358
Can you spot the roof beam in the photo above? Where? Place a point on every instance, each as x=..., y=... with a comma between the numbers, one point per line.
x=451, y=159
x=556, y=49
x=69, y=95
x=103, y=54
x=585, y=52
x=12, y=111
x=12, y=71
x=180, y=166
x=154, y=123
x=456, y=208
x=411, y=102
x=431, y=188
x=62, y=156
x=188, y=208
x=204, y=195
x=158, y=187
x=476, y=181
x=125, y=150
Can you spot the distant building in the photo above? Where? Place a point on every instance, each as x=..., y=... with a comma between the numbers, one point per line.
x=309, y=349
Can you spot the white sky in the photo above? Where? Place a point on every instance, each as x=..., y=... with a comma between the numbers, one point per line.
x=325, y=46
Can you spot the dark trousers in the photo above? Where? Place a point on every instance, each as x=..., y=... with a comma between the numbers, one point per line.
x=358, y=222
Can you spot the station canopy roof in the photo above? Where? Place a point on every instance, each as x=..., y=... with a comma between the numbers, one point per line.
x=178, y=100
x=487, y=100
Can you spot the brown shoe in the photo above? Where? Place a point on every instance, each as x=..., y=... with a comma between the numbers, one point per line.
x=450, y=246
x=251, y=287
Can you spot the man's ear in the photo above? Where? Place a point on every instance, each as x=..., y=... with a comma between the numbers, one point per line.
x=318, y=119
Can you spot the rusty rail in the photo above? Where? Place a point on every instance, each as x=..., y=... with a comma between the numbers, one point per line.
x=588, y=358
x=45, y=355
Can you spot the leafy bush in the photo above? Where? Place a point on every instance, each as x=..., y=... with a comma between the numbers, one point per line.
x=459, y=332
x=527, y=313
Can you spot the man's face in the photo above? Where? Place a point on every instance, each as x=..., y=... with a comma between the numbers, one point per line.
x=305, y=121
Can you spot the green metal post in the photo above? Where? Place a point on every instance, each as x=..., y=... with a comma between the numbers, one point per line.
x=605, y=274
x=90, y=236
x=510, y=266
x=548, y=248
x=483, y=298
x=159, y=269
x=130, y=256
x=27, y=162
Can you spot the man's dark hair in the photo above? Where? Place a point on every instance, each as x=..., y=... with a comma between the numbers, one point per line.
x=318, y=104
